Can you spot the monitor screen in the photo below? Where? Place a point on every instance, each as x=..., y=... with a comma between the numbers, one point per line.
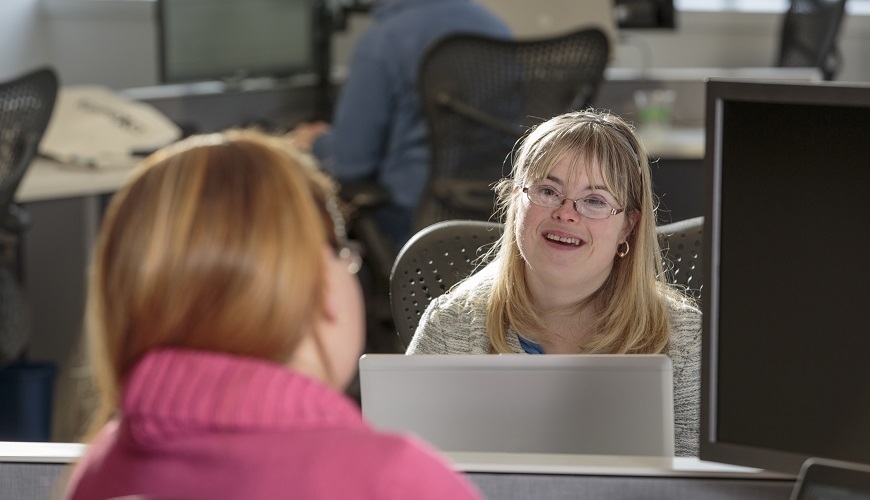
x=234, y=39
x=786, y=368
x=654, y=14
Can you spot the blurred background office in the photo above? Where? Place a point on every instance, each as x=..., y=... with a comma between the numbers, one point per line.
x=113, y=42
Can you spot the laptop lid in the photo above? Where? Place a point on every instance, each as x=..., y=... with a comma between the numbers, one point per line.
x=577, y=404
x=822, y=479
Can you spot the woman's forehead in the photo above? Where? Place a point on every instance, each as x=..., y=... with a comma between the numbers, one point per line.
x=574, y=167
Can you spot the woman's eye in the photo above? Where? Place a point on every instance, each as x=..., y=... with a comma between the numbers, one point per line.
x=547, y=191
x=595, y=202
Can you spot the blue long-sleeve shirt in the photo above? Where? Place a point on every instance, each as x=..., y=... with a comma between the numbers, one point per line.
x=378, y=130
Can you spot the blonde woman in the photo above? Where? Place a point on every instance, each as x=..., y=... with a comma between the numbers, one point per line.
x=578, y=268
x=225, y=319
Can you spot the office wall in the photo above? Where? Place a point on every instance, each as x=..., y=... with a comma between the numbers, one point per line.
x=21, y=37
x=107, y=42
x=112, y=42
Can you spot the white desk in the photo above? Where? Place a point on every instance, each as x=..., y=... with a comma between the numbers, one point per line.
x=34, y=470
x=521, y=476
x=678, y=143
x=49, y=180
x=603, y=465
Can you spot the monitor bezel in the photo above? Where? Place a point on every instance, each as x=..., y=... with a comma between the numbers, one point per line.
x=311, y=67
x=718, y=91
x=666, y=15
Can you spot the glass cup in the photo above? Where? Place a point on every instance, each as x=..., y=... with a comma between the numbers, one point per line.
x=655, y=109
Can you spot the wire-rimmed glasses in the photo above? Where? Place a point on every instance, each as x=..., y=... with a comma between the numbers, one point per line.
x=592, y=206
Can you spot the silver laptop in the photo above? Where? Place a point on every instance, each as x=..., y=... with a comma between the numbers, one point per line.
x=578, y=404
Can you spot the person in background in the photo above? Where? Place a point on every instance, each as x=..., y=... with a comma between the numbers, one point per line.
x=578, y=268
x=378, y=132
x=224, y=319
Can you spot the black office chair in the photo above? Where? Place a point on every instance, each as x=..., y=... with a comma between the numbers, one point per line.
x=26, y=104
x=808, y=35
x=432, y=261
x=682, y=242
x=480, y=94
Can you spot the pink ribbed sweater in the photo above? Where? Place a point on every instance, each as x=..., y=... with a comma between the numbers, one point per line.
x=206, y=425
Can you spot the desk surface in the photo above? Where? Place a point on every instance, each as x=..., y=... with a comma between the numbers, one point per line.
x=47, y=180
x=516, y=463
x=603, y=465
x=675, y=144
x=58, y=453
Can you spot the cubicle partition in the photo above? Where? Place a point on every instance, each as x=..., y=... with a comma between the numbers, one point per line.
x=40, y=470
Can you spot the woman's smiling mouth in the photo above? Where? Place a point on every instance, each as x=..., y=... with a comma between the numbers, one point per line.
x=563, y=239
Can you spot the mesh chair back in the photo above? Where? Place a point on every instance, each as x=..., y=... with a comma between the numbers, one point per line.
x=26, y=104
x=682, y=242
x=480, y=94
x=808, y=35
x=434, y=260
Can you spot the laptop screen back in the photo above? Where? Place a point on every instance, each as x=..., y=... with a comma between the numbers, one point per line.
x=578, y=404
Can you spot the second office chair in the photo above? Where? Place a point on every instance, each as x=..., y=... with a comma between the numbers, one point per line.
x=480, y=94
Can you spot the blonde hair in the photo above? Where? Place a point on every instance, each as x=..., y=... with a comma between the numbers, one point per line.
x=215, y=243
x=630, y=307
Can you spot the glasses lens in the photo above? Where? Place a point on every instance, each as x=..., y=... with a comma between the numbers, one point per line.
x=544, y=195
x=594, y=207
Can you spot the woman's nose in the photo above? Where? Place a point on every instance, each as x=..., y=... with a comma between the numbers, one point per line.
x=566, y=211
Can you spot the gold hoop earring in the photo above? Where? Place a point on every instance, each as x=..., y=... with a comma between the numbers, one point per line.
x=622, y=254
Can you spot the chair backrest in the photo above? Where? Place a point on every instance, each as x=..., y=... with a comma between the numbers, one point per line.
x=808, y=35
x=682, y=242
x=26, y=104
x=432, y=261
x=480, y=94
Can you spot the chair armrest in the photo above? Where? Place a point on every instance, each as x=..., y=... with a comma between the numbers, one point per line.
x=364, y=195
x=486, y=119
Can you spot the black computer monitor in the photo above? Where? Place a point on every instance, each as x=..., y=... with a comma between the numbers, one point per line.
x=231, y=40
x=786, y=366
x=645, y=14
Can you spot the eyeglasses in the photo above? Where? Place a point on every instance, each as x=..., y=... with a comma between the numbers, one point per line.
x=592, y=206
x=343, y=248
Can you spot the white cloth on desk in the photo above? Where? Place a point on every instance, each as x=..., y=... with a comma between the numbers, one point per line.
x=95, y=126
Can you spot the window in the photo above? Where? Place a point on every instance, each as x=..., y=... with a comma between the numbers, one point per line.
x=861, y=7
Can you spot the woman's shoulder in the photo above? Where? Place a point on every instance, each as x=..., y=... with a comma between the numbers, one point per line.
x=455, y=322
x=682, y=310
x=469, y=294
x=685, y=318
